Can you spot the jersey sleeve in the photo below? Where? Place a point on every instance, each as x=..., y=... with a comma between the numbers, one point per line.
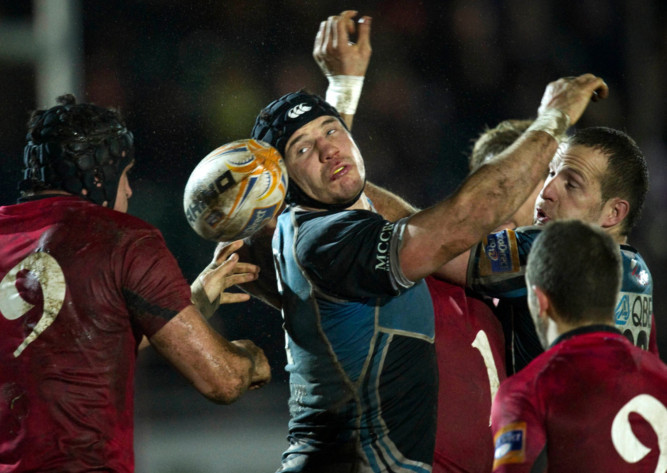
x=498, y=263
x=153, y=284
x=519, y=436
x=352, y=254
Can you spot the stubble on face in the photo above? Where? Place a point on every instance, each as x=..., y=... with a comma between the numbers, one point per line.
x=324, y=161
x=541, y=323
x=573, y=188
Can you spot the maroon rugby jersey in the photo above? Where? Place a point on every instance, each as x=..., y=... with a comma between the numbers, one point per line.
x=593, y=402
x=80, y=284
x=470, y=350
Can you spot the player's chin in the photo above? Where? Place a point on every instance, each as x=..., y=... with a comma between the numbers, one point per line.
x=347, y=193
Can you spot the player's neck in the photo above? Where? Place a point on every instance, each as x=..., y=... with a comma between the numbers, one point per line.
x=563, y=327
x=615, y=233
x=362, y=203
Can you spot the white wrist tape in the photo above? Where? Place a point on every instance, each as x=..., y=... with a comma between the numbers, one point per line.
x=199, y=298
x=344, y=92
x=552, y=121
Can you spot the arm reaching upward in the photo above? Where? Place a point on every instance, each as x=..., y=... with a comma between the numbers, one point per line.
x=342, y=61
x=491, y=194
x=337, y=58
x=444, y=233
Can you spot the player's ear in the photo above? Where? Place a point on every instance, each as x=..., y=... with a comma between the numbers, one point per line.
x=614, y=211
x=543, y=302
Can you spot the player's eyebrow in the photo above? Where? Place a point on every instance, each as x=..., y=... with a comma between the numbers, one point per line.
x=291, y=145
x=575, y=172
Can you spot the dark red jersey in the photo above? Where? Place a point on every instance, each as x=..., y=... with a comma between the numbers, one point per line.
x=470, y=349
x=593, y=402
x=80, y=284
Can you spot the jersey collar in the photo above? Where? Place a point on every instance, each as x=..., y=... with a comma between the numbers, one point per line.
x=584, y=330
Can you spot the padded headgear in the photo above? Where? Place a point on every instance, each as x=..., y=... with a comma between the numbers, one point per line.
x=79, y=148
x=278, y=121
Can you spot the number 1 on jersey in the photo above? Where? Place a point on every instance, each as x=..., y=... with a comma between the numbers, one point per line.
x=482, y=344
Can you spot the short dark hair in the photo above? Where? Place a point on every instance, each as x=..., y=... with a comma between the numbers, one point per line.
x=626, y=175
x=578, y=266
x=493, y=141
x=80, y=148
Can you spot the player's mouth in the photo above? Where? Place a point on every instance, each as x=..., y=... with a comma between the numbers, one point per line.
x=338, y=171
x=541, y=218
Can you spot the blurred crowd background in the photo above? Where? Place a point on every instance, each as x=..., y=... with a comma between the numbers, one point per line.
x=191, y=76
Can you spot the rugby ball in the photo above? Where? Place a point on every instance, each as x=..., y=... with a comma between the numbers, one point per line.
x=235, y=190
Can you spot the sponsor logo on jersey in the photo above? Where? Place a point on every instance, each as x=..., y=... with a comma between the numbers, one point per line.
x=299, y=110
x=640, y=275
x=382, y=250
x=501, y=254
x=622, y=313
x=510, y=444
x=634, y=317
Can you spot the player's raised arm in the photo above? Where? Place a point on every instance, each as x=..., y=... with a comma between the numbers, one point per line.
x=438, y=234
x=342, y=61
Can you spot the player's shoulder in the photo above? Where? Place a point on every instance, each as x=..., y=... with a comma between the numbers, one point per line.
x=128, y=220
x=529, y=232
x=520, y=386
x=332, y=217
x=329, y=234
x=540, y=371
x=112, y=218
x=636, y=274
x=630, y=253
x=332, y=225
x=106, y=224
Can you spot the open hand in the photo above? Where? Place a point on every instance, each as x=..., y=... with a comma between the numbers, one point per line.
x=226, y=271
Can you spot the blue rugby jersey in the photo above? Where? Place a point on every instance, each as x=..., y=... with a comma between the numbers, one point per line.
x=497, y=268
x=359, y=341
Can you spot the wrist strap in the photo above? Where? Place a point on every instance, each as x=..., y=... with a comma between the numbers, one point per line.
x=551, y=121
x=344, y=92
x=199, y=298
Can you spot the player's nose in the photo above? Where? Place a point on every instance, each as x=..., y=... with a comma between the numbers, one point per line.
x=549, y=191
x=327, y=149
